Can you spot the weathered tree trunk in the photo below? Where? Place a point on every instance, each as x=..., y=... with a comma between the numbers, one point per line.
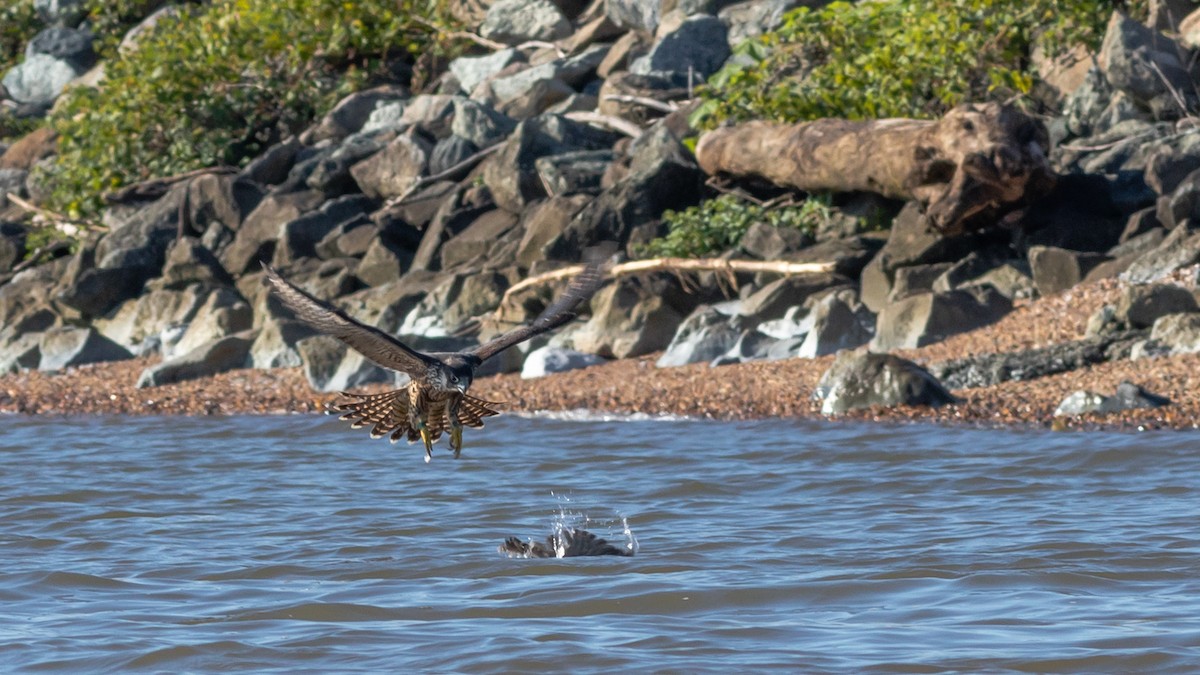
x=979, y=159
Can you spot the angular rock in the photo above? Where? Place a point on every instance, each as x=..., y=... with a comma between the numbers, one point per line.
x=839, y=321
x=751, y=18
x=329, y=365
x=1178, y=333
x=864, y=379
x=511, y=173
x=516, y=21
x=704, y=336
x=449, y=152
x=917, y=279
x=138, y=324
x=39, y=79
x=330, y=171
x=699, y=45
x=931, y=317
x=257, y=238
x=768, y=242
x=189, y=262
x=1146, y=65
x=634, y=316
x=574, y=172
x=382, y=263
x=352, y=112
x=536, y=98
x=218, y=356
x=549, y=360
x=639, y=15
x=391, y=171
x=71, y=46
x=274, y=344
x=573, y=71
x=474, y=242
x=272, y=166
x=1057, y=269
x=298, y=238
x=662, y=175
x=470, y=71
x=97, y=290
x=223, y=313
x=775, y=299
x=1180, y=249
x=480, y=123
x=71, y=346
x=1141, y=306
x=542, y=222
x=1128, y=396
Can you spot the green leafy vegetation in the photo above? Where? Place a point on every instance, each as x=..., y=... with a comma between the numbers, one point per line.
x=18, y=23
x=219, y=83
x=718, y=225
x=897, y=58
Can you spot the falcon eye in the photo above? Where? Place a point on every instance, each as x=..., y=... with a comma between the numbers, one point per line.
x=453, y=378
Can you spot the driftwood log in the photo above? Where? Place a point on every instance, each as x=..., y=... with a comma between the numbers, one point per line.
x=977, y=163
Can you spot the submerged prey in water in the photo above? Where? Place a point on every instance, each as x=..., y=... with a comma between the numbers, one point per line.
x=566, y=543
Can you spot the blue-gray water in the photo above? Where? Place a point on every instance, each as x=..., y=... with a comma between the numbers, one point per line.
x=291, y=544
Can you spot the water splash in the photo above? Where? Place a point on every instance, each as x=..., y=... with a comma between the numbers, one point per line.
x=573, y=532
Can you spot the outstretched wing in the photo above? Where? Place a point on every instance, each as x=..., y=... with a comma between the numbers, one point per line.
x=371, y=342
x=562, y=310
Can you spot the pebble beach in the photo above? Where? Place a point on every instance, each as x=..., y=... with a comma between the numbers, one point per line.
x=776, y=389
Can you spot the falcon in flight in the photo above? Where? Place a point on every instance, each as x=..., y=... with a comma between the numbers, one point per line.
x=436, y=398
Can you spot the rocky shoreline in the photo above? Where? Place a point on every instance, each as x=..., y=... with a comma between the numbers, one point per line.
x=756, y=390
x=1061, y=282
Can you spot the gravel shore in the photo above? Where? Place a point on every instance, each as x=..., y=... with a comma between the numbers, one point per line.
x=742, y=391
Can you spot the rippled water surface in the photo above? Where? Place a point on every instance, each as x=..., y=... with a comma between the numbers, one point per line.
x=290, y=544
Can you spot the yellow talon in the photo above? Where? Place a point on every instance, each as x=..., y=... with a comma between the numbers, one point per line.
x=456, y=440
x=428, y=443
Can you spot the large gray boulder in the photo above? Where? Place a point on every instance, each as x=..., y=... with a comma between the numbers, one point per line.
x=774, y=300
x=1057, y=269
x=931, y=317
x=634, y=316
x=72, y=346
x=511, y=173
x=217, y=356
x=662, y=175
x=699, y=45
x=138, y=324
x=1128, y=396
x=258, y=236
x=839, y=321
x=1180, y=249
x=274, y=344
x=391, y=171
x=38, y=80
x=1177, y=333
x=73, y=47
x=864, y=379
x=298, y=239
x=1146, y=65
x=639, y=15
x=351, y=113
x=1141, y=306
x=549, y=360
x=480, y=123
x=223, y=313
x=703, y=337
x=470, y=71
x=515, y=21
x=329, y=365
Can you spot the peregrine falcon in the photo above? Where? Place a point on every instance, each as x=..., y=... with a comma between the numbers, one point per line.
x=436, y=399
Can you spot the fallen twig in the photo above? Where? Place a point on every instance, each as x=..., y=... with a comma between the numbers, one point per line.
x=680, y=265
x=611, y=121
x=57, y=219
x=643, y=101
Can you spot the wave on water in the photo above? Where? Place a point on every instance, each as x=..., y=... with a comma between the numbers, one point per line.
x=584, y=415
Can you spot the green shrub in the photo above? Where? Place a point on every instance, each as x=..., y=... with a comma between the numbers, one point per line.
x=718, y=225
x=897, y=58
x=221, y=83
x=18, y=24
